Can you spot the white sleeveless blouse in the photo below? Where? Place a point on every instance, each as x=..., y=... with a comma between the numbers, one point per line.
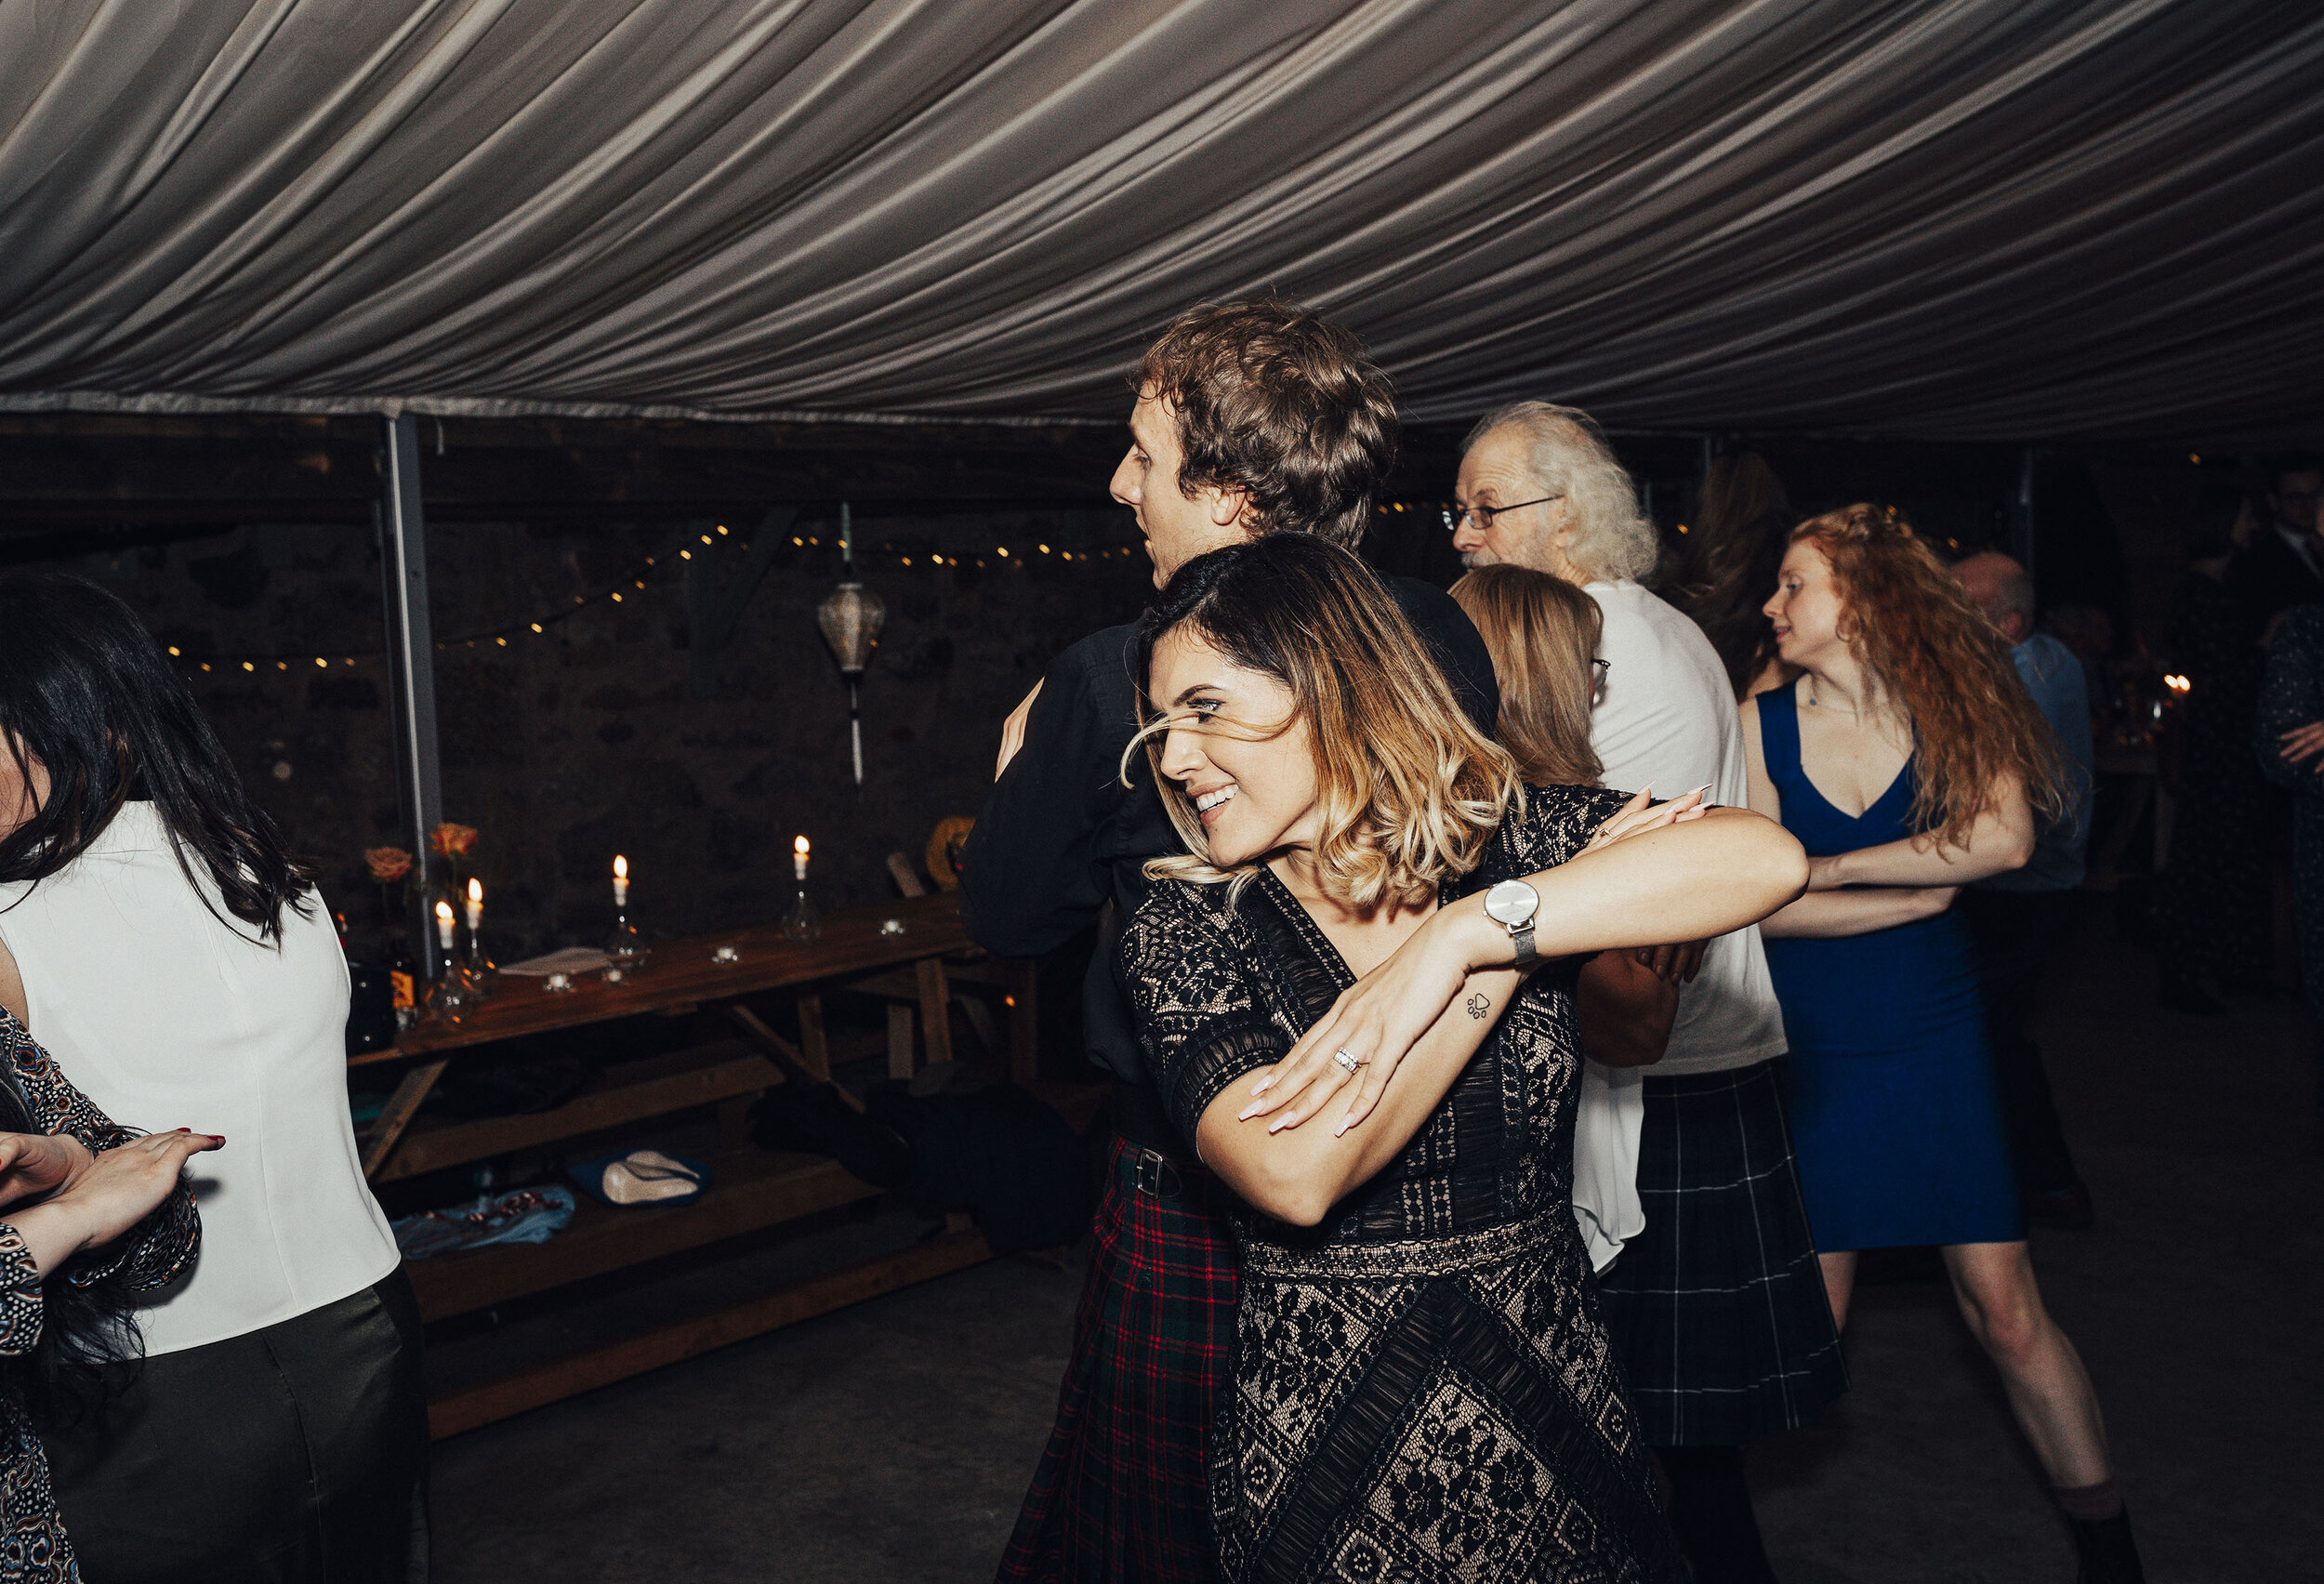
x=167, y=1018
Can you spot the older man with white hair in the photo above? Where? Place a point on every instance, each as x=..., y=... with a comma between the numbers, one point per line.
x=1684, y=1171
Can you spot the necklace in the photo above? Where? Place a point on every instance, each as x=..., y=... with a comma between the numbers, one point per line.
x=1816, y=703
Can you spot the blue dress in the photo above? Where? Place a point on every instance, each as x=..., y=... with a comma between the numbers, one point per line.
x=1889, y=1085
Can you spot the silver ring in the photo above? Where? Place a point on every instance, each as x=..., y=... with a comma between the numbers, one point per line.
x=1350, y=1062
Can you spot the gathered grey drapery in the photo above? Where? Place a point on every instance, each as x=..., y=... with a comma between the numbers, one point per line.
x=1966, y=218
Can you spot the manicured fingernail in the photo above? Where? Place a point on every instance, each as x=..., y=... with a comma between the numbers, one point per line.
x=1282, y=1122
x=1345, y=1123
x=218, y=1138
x=1263, y=1085
x=185, y=1130
x=1700, y=790
x=1249, y=1111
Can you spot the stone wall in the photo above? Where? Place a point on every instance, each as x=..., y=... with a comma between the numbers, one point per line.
x=567, y=746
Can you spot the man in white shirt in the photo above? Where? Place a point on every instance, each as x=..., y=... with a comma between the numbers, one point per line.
x=1715, y=1304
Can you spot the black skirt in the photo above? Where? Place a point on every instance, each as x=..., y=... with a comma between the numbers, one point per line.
x=1717, y=1309
x=290, y=1454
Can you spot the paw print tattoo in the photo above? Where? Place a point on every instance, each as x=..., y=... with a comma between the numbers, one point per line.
x=1478, y=1005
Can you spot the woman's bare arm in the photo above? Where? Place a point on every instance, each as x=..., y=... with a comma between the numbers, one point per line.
x=1296, y=1174
x=1825, y=915
x=2002, y=839
x=1694, y=880
x=12, y=987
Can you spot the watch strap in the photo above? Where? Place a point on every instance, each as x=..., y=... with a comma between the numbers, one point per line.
x=1520, y=936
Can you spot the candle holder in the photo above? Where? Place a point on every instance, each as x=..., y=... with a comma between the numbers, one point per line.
x=479, y=969
x=625, y=948
x=455, y=995
x=804, y=921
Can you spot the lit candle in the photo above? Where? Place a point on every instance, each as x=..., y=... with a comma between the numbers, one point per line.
x=444, y=925
x=799, y=858
x=621, y=881
x=475, y=906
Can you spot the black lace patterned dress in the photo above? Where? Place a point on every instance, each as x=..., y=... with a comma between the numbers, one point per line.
x=1421, y=1388
x=33, y=1547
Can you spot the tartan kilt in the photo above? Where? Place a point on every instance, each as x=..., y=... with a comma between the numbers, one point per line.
x=1121, y=1494
x=1717, y=1309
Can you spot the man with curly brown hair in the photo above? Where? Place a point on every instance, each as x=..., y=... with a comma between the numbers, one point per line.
x=1250, y=418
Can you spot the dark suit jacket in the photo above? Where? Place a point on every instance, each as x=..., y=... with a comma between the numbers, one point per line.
x=2267, y=576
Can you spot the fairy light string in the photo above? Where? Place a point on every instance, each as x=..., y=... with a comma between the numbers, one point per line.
x=1019, y=553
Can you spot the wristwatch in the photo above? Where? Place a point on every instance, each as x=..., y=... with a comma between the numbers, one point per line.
x=1514, y=903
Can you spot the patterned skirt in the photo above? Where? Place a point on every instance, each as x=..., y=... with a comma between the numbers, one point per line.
x=1718, y=1308
x=1445, y=1408
x=1119, y=1496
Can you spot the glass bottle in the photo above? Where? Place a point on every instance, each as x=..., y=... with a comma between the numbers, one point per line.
x=803, y=922
x=625, y=948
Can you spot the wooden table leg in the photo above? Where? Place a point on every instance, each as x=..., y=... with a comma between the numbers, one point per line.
x=734, y=1121
x=815, y=1050
x=789, y=1058
x=899, y=1040
x=396, y=1115
x=935, y=1010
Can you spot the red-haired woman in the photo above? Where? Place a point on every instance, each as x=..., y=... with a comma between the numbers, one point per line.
x=1909, y=761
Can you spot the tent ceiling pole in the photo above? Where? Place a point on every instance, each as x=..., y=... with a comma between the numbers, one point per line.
x=412, y=677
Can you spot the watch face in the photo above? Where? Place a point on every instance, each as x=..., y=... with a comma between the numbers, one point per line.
x=1512, y=902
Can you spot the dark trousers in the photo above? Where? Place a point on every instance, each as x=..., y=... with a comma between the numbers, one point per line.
x=293, y=1454
x=2307, y=911
x=2016, y=935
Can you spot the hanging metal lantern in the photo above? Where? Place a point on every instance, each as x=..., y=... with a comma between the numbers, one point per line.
x=850, y=617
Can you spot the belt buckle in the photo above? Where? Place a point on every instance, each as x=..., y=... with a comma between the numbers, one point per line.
x=1155, y=1176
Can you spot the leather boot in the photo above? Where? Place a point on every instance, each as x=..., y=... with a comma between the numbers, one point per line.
x=2108, y=1554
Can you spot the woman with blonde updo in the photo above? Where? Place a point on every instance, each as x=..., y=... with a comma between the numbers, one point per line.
x=1909, y=761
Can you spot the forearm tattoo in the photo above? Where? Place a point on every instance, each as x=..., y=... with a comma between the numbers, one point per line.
x=1478, y=1005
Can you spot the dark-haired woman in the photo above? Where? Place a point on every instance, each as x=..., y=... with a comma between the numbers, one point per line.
x=91, y=1216
x=1909, y=761
x=156, y=939
x=1330, y=989
x=1730, y=559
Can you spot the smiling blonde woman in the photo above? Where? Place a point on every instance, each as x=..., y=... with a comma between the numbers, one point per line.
x=1336, y=989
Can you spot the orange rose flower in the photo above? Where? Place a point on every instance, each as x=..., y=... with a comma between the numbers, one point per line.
x=452, y=840
x=388, y=864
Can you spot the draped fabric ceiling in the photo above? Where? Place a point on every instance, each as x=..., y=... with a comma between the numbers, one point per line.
x=1943, y=219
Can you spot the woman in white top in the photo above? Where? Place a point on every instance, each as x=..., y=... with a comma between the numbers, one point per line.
x=156, y=939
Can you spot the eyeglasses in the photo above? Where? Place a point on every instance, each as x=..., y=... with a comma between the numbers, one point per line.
x=1483, y=515
x=1598, y=668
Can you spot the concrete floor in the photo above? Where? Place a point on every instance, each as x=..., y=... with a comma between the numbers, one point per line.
x=892, y=1442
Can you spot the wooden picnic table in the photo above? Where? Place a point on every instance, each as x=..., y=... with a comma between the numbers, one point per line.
x=912, y=953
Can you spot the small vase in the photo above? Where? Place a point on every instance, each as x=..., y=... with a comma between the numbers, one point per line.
x=803, y=922
x=453, y=997
x=625, y=948
x=481, y=973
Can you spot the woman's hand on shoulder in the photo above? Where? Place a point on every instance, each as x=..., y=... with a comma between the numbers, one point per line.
x=1642, y=815
x=32, y=1164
